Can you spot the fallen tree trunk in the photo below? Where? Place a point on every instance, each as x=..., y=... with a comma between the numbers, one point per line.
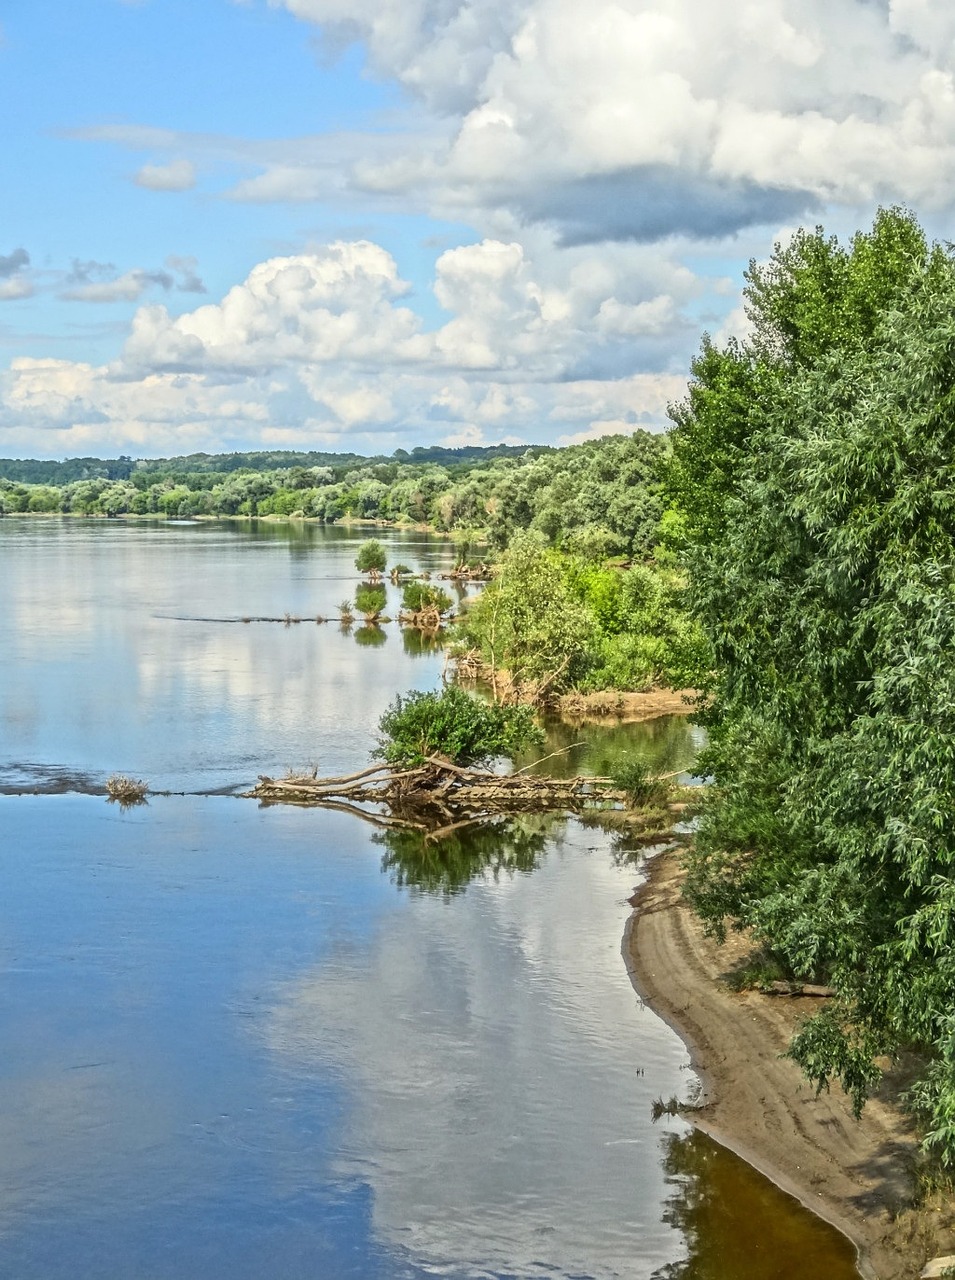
x=439, y=797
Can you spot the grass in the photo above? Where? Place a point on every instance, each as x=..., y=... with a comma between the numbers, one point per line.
x=125, y=790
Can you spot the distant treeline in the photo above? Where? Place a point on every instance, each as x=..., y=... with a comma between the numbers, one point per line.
x=39, y=471
x=600, y=497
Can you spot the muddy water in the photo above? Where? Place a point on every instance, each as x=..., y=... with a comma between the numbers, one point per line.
x=255, y=1042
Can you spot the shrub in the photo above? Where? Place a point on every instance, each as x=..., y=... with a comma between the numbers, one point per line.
x=418, y=597
x=369, y=601
x=453, y=724
x=643, y=788
x=371, y=557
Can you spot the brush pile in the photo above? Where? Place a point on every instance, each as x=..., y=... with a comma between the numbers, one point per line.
x=437, y=797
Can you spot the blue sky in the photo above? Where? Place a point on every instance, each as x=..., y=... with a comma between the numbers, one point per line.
x=368, y=225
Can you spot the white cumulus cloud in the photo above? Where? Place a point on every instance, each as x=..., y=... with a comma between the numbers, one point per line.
x=323, y=347
x=643, y=118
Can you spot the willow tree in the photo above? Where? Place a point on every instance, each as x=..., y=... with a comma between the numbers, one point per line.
x=527, y=621
x=813, y=486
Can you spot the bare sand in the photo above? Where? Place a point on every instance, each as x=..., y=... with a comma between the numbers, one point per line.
x=858, y=1175
x=626, y=708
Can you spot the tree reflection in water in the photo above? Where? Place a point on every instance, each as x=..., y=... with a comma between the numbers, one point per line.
x=717, y=1200
x=370, y=636
x=448, y=865
x=664, y=744
x=419, y=643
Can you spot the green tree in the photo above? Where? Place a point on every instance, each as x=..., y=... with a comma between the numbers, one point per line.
x=372, y=558
x=370, y=600
x=425, y=597
x=527, y=621
x=824, y=575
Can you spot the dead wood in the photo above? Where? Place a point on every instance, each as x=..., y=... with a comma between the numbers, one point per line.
x=441, y=797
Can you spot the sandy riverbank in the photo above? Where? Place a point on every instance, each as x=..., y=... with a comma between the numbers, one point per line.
x=626, y=708
x=856, y=1175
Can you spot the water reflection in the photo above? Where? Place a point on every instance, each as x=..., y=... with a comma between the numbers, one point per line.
x=446, y=866
x=117, y=670
x=370, y=636
x=717, y=1201
x=500, y=1072
x=417, y=643
x=231, y=1049
x=665, y=744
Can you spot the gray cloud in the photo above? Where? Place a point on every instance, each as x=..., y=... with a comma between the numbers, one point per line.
x=11, y=263
x=651, y=202
x=187, y=277
x=84, y=272
x=129, y=287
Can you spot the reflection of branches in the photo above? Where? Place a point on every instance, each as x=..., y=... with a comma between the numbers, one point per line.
x=447, y=865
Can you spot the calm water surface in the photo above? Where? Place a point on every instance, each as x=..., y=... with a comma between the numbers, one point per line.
x=257, y=1042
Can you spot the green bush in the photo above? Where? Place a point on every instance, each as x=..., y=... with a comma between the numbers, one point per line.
x=372, y=557
x=642, y=786
x=369, y=600
x=455, y=725
x=419, y=596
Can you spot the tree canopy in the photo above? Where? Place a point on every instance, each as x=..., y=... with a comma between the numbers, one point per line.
x=813, y=493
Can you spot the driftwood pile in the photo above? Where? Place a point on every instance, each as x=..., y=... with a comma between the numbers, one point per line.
x=437, y=797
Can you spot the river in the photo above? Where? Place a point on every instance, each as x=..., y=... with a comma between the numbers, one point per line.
x=246, y=1041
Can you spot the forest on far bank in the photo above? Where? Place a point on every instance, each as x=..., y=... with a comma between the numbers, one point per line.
x=602, y=495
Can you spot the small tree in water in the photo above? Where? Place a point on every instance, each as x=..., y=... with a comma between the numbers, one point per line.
x=455, y=725
x=371, y=558
x=369, y=600
x=424, y=597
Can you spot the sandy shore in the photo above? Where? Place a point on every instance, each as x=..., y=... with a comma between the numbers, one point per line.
x=856, y=1175
x=626, y=708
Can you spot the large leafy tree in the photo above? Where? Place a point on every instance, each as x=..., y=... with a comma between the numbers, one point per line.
x=814, y=487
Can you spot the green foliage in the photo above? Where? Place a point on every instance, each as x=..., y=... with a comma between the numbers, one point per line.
x=643, y=787
x=455, y=725
x=832, y=1044
x=527, y=621
x=817, y=507
x=370, y=600
x=372, y=557
x=417, y=597
x=595, y=499
x=757, y=974
x=576, y=624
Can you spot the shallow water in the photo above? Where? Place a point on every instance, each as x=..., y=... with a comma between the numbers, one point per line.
x=245, y=1041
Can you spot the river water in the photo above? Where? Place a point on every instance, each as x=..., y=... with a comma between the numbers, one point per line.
x=246, y=1041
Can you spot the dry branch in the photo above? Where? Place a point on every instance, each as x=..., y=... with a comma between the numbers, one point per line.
x=442, y=797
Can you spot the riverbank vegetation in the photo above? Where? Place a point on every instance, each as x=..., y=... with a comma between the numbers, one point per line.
x=601, y=496
x=581, y=595
x=550, y=621
x=812, y=500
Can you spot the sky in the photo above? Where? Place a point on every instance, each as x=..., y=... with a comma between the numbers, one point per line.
x=364, y=225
